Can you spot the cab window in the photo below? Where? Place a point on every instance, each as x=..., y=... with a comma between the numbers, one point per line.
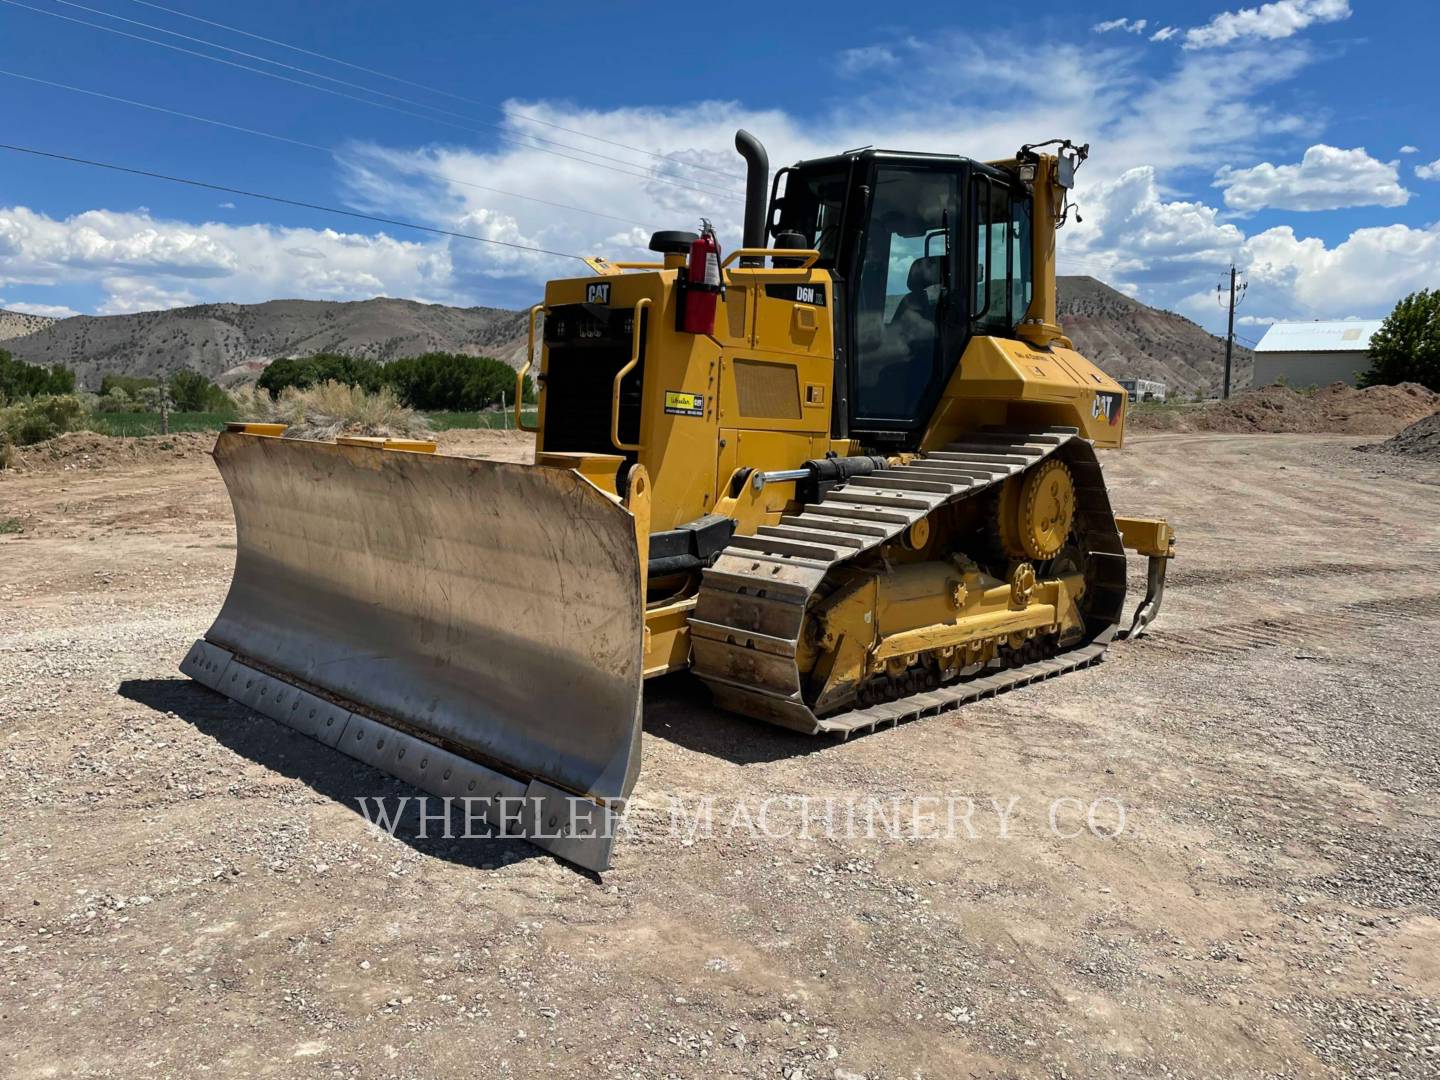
x=812, y=205
x=1003, y=275
x=901, y=299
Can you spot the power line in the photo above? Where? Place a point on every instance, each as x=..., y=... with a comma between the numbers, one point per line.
x=365, y=101
x=435, y=90
x=329, y=151
x=333, y=79
x=286, y=201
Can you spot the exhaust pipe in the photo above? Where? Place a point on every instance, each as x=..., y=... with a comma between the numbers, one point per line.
x=757, y=193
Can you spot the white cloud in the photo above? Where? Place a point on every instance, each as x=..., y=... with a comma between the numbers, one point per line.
x=1256, y=320
x=1138, y=234
x=227, y=206
x=1429, y=172
x=1123, y=25
x=1132, y=235
x=1408, y=149
x=1364, y=274
x=1326, y=178
x=51, y=311
x=866, y=58
x=1268, y=22
x=140, y=261
x=1165, y=33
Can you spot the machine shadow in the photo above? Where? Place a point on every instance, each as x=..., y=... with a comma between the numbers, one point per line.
x=678, y=709
x=327, y=771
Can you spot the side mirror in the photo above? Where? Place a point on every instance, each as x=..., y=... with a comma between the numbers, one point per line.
x=980, y=273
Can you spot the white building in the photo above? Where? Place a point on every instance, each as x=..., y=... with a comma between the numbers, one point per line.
x=1143, y=389
x=1314, y=353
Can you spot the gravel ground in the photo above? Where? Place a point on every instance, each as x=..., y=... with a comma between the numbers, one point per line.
x=186, y=888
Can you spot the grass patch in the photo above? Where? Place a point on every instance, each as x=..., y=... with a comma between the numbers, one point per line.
x=445, y=421
x=10, y=526
x=148, y=423
x=328, y=409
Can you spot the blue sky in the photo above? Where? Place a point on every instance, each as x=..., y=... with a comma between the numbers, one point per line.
x=1297, y=137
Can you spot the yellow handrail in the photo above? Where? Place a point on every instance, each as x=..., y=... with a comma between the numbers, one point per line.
x=520, y=375
x=810, y=255
x=636, y=340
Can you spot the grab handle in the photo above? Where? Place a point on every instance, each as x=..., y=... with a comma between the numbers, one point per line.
x=520, y=375
x=636, y=340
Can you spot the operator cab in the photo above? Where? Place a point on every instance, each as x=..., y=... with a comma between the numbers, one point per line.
x=926, y=250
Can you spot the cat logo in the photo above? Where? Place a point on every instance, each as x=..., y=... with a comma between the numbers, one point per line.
x=1107, y=406
x=598, y=293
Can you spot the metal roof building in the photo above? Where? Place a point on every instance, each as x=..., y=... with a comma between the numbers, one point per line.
x=1314, y=353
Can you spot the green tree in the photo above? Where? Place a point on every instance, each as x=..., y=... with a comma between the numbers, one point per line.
x=21, y=380
x=450, y=382
x=193, y=392
x=1406, y=348
x=305, y=372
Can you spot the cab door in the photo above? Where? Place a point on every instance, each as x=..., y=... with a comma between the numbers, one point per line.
x=907, y=317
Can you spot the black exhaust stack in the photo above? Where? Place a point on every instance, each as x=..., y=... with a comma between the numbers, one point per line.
x=757, y=191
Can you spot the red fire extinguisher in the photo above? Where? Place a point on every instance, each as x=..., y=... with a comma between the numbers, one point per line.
x=702, y=282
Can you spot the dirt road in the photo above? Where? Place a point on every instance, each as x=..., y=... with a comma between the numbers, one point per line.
x=187, y=889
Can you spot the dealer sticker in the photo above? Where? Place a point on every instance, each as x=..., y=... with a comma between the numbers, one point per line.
x=679, y=403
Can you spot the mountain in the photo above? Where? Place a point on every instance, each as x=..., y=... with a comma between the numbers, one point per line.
x=14, y=324
x=217, y=339
x=233, y=342
x=1128, y=339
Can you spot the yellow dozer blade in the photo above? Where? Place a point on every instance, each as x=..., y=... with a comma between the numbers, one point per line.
x=473, y=627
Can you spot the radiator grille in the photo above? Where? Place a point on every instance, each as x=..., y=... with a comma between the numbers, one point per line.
x=584, y=353
x=767, y=390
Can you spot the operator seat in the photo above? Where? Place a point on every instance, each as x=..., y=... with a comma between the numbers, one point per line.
x=925, y=273
x=906, y=356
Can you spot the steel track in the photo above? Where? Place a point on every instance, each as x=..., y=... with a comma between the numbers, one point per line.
x=752, y=605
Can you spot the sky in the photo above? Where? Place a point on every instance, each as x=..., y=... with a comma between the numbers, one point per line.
x=1296, y=138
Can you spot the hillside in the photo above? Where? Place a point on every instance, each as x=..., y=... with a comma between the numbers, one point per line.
x=1129, y=339
x=1123, y=336
x=218, y=338
x=14, y=324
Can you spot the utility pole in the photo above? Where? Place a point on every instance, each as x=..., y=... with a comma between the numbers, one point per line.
x=1230, y=330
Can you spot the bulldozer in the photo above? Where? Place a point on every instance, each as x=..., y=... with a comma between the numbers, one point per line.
x=845, y=475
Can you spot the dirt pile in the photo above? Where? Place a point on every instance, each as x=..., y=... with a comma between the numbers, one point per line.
x=88, y=450
x=1337, y=409
x=1420, y=439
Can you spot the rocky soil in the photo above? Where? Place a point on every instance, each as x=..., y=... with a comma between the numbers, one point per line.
x=1212, y=855
x=1420, y=439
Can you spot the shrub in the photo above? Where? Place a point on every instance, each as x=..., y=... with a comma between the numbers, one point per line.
x=115, y=400
x=21, y=380
x=332, y=408
x=441, y=382
x=40, y=418
x=129, y=385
